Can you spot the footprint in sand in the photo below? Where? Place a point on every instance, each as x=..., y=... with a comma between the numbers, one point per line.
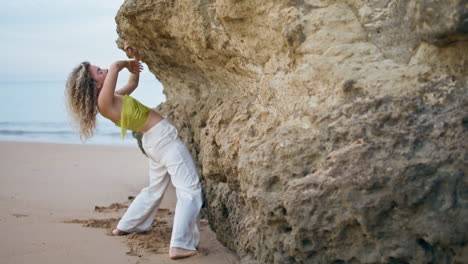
x=203, y=251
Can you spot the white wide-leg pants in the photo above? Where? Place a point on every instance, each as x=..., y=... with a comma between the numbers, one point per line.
x=169, y=160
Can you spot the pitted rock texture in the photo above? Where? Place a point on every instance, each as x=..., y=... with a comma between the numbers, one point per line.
x=325, y=131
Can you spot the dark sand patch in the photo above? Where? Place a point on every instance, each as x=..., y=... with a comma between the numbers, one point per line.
x=155, y=241
x=115, y=207
x=19, y=215
x=111, y=208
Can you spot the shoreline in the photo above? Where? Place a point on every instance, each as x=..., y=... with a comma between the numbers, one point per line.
x=126, y=145
x=44, y=185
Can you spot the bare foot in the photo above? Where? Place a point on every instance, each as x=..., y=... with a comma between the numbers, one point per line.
x=178, y=253
x=117, y=232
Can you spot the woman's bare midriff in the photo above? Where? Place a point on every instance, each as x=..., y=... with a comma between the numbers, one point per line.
x=153, y=118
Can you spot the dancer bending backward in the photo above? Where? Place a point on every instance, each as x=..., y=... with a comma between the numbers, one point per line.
x=90, y=90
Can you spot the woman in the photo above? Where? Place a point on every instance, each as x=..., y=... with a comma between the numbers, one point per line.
x=90, y=90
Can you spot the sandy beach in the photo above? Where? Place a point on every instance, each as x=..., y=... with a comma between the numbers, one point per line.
x=58, y=203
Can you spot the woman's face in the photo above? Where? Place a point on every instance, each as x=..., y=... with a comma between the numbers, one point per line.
x=99, y=75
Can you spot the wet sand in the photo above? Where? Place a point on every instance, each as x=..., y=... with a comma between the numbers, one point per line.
x=58, y=204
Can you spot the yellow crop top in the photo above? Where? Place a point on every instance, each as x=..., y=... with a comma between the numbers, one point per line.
x=134, y=115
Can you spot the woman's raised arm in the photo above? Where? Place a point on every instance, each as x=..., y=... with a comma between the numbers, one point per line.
x=133, y=80
x=106, y=99
x=132, y=83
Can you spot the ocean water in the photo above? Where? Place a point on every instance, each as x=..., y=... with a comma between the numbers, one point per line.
x=34, y=111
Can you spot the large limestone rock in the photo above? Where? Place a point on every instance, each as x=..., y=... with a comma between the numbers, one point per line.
x=325, y=131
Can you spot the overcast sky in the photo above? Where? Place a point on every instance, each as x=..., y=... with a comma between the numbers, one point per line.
x=45, y=39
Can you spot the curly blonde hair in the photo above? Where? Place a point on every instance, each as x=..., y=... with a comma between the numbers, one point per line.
x=82, y=99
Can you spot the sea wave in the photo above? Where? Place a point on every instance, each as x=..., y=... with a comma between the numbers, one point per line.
x=57, y=132
x=26, y=132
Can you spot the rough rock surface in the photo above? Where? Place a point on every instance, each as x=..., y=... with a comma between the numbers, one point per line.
x=326, y=131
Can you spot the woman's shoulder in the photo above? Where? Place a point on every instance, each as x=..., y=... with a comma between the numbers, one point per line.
x=112, y=111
